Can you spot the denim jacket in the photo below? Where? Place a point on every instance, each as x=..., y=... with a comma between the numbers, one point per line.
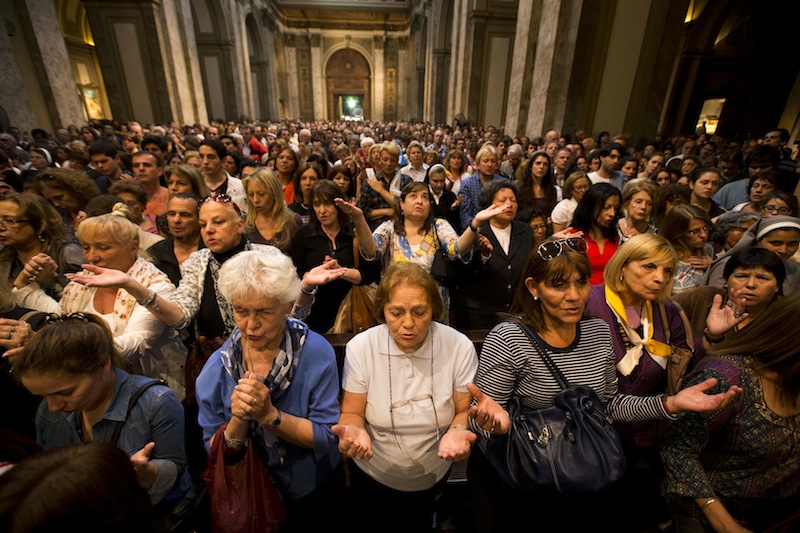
x=157, y=417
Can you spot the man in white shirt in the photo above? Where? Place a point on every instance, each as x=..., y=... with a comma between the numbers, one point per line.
x=415, y=169
x=609, y=162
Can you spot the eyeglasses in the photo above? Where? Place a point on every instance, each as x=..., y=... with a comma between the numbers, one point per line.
x=550, y=250
x=221, y=198
x=776, y=209
x=694, y=232
x=10, y=222
x=419, y=398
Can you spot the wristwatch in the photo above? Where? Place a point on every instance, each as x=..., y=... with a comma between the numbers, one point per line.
x=277, y=422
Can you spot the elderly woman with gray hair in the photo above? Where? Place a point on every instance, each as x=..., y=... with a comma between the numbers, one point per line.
x=729, y=229
x=274, y=383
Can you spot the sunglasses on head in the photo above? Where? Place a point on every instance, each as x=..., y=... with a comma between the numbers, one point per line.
x=221, y=198
x=550, y=250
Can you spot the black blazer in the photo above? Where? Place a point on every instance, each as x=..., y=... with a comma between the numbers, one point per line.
x=442, y=210
x=486, y=289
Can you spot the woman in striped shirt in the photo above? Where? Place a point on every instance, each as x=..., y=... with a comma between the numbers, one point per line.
x=551, y=302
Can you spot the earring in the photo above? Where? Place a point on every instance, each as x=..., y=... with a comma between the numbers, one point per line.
x=41, y=239
x=535, y=298
x=621, y=277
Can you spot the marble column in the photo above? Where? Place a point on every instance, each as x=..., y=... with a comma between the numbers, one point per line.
x=292, y=103
x=552, y=67
x=39, y=25
x=378, y=77
x=402, y=81
x=272, y=87
x=316, y=76
x=457, y=47
x=519, y=84
x=184, y=81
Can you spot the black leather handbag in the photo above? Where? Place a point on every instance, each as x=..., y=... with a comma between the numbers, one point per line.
x=442, y=269
x=569, y=447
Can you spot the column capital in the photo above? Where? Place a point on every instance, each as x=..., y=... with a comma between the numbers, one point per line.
x=379, y=41
x=315, y=39
x=289, y=40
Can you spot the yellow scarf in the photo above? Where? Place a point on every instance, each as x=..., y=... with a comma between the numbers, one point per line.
x=657, y=350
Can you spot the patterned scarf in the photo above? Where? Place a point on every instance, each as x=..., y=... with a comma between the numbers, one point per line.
x=278, y=381
x=657, y=350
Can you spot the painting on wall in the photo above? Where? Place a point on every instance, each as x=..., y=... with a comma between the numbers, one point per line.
x=91, y=101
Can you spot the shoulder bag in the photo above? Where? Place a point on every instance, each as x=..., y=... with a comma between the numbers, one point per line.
x=569, y=447
x=357, y=310
x=679, y=360
x=442, y=268
x=243, y=496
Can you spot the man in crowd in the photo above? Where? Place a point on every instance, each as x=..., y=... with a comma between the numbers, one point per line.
x=610, y=156
x=106, y=160
x=220, y=182
x=148, y=169
x=416, y=169
x=377, y=199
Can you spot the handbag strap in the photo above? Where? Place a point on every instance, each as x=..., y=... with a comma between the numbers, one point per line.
x=662, y=310
x=134, y=398
x=551, y=366
x=355, y=252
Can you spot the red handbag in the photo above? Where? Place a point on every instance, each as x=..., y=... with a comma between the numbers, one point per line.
x=243, y=496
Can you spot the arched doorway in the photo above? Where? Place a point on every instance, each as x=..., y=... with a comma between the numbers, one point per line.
x=348, y=82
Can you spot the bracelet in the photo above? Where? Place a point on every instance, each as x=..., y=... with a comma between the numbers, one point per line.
x=231, y=442
x=149, y=301
x=710, y=339
x=708, y=502
x=458, y=426
x=312, y=292
x=474, y=229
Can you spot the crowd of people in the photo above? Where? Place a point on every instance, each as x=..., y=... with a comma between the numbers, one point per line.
x=168, y=287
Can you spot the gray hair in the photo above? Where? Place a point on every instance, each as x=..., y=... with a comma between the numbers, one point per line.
x=259, y=273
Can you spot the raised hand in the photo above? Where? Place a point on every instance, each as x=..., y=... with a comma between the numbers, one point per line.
x=146, y=472
x=695, y=399
x=455, y=445
x=487, y=413
x=348, y=208
x=354, y=441
x=324, y=273
x=102, y=277
x=723, y=317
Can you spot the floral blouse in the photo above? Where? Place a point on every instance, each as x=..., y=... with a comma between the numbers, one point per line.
x=393, y=248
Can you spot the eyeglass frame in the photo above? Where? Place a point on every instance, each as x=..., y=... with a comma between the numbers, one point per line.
x=569, y=241
x=774, y=208
x=11, y=222
x=419, y=397
x=693, y=232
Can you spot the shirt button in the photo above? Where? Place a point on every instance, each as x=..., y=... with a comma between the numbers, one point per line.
x=509, y=287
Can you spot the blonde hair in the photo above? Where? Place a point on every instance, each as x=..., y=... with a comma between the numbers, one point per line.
x=115, y=226
x=644, y=247
x=285, y=223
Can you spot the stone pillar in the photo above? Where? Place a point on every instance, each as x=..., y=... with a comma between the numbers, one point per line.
x=519, y=85
x=272, y=86
x=293, y=105
x=402, y=81
x=316, y=76
x=457, y=64
x=552, y=67
x=467, y=60
x=378, y=77
x=40, y=28
x=179, y=53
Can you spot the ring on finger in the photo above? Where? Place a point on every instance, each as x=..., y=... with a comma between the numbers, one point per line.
x=13, y=329
x=8, y=336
